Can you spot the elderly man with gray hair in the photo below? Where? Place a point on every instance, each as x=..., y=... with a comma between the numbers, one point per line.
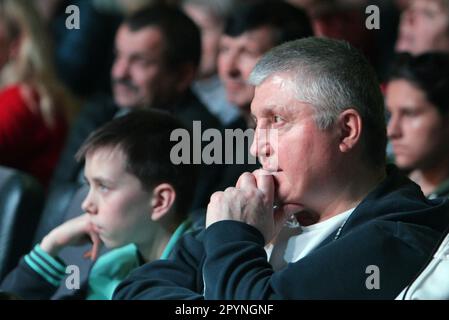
x=324, y=218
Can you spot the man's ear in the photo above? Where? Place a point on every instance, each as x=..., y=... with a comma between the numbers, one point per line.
x=162, y=201
x=350, y=127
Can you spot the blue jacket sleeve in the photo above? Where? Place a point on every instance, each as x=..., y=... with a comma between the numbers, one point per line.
x=37, y=276
x=236, y=266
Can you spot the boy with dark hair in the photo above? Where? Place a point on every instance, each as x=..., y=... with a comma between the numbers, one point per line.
x=137, y=205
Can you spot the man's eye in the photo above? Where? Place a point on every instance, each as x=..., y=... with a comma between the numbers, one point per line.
x=144, y=62
x=409, y=113
x=278, y=119
x=254, y=119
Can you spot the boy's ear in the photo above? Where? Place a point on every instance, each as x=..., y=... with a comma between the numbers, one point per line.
x=162, y=201
x=350, y=127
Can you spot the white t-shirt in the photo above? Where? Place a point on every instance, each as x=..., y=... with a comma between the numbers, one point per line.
x=295, y=243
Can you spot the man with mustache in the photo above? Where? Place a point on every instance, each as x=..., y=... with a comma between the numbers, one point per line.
x=158, y=51
x=326, y=173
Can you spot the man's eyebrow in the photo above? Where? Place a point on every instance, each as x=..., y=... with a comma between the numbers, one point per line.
x=142, y=55
x=270, y=109
x=286, y=108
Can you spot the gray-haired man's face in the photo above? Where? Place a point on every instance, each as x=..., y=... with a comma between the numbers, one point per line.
x=288, y=143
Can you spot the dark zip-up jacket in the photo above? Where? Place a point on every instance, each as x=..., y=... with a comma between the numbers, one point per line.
x=388, y=237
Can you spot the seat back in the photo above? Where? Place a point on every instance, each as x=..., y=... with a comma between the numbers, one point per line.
x=59, y=200
x=21, y=203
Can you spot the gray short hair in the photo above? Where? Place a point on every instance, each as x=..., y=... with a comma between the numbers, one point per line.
x=332, y=76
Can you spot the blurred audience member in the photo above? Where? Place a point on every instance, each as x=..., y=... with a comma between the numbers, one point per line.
x=424, y=27
x=34, y=107
x=210, y=15
x=84, y=55
x=418, y=101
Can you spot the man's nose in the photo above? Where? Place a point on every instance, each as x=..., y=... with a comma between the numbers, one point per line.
x=261, y=146
x=120, y=69
x=232, y=65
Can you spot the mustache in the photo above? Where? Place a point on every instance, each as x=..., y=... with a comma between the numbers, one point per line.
x=125, y=82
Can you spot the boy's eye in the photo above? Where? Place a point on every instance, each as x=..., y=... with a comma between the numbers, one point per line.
x=103, y=188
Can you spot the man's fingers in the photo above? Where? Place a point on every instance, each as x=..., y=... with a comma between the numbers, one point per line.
x=280, y=215
x=246, y=180
x=265, y=183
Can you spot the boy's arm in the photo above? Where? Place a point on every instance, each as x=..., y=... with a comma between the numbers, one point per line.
x=179, y=277
x=37, y=276
x=40, y=272
x=74, y=232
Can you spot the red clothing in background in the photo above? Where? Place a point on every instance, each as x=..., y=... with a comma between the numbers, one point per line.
x=26, y=142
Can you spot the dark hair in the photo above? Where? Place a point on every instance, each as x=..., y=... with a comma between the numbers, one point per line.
x=289, y=21
x=429, y=72
x=144, y=138
x=181, y=35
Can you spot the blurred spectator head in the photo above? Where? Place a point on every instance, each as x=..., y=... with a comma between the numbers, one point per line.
x=424, y=27
x=48, y=8
x=210, y=16
x=26, y=57
x=418, y=101
x=251, y=30
x=158, y=50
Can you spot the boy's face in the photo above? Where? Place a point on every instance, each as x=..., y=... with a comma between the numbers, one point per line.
x=119, y=207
